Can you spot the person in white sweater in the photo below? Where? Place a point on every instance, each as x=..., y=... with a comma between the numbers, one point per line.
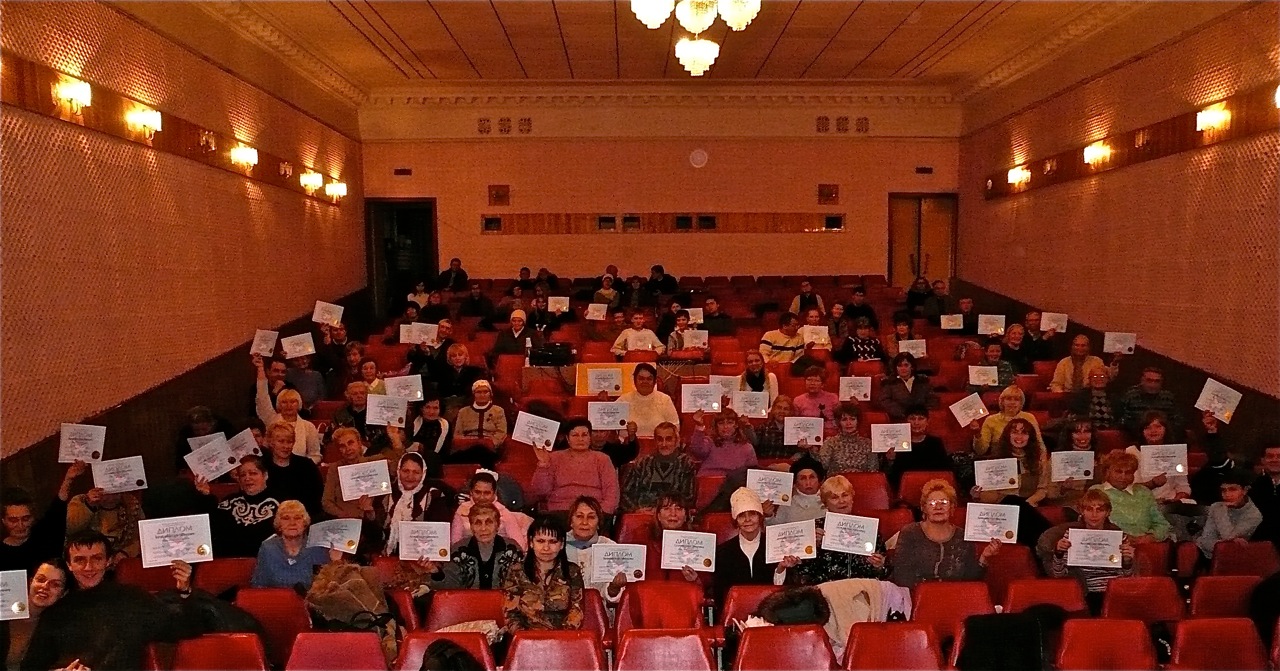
x=288, y=403
x=649, y=407
x=637, y=337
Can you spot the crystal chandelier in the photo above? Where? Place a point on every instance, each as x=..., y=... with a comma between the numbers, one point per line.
x=738, y=13
x=653, y=13
x=696, y=15
x=696, y=55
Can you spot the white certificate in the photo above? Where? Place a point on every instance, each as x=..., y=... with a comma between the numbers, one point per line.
x=996, y=474
x=211, y=460
x=169, y=539
x=368, y=478
x=416, y=333
x=750, y=403
x=243, y=444
x=610, y=559
x=887, y=436
x=793, y=539
x=1073, y=464
x=533, y=430
x=608, y=380
x=13, y=596
x=990, y=324
x=968, y=409
x=705, y=397
x=984, y=376
x=984, y=521
x=855, y=388
x=818, y=335
x=119, y=475
x=1099, y=548
x=794, y=429
x=915, y=348
x=557, y=303
x=197, y=442
x=1163, y=460
x=771, y=485
x=1123, y=343
x=428, y=540
x=952, y=322
x=728, y=383
x=81, y=442
x=341, y=534
x=694, y=549
x=695, y=315
x=299, y=345
x=1053, y=321
x=694, y=338
x=852, y=534
x=597, y=312
x=264, y=343
x=408, y=387
x=327, y=313
x=605, y=416
x=1216, y=397
x=386, y=410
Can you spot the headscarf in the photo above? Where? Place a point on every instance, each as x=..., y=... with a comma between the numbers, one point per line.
x=405, y=506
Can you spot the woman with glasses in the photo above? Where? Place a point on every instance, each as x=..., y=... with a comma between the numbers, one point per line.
x=934, y=548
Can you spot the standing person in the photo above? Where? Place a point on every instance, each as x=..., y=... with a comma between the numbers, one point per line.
x=27, y=542
x=544, y=592
x=648, y=406
x=807, y=300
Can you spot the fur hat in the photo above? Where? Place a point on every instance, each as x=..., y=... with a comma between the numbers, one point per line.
x=744, y=500
x=808, y=462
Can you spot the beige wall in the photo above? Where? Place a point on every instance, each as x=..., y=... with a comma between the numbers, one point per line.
x=1182, y=250
x=654, y=175
x=124, y=267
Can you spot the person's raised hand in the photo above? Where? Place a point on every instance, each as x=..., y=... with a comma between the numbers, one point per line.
x=1063, y=544
x=891, y=454
x=202, y=485
x=425, y=565
x=770, y=508
x=1210, y=421
x=689, y=574
x=182, y=575
x=76, y=469
x=789, y=561
x=544, y=457
x=619, y=581
x=93, y=497
x=992, y=549
x=877, y=560
x=698, y=418
x=258, y=363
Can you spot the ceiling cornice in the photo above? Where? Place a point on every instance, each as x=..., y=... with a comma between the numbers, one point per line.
x=251, y=25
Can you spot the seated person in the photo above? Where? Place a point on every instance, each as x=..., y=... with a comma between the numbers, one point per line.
x=562, y=477
x=285, y=559
x=992, y=354
x=1015, y=353
x=828, y=565
x=903, y=329
x=413, y=498
x=347, y=371
x=476, y=304
x=453, y=381
x=453, y=278
x=1073, y=372
x=807, y=299
x=287, y=406
x=1095, y=513
x=518, y=339
x=482, y=489
x=481, y=429
x=202, y=422
x=1096, y=402
x=1234, y=518
x=715, y=321
x=769, y=442
x=969, y=316
x=934, y=548
x=927, y=452
x=48, y=584
x=940, y=303
x=1167, y=489
x=839, y=326
x=740, y=560
x=544, y=592
x=660, y=283
x=1020, y=442
x=27, y=542
x=1133, y=508
x=356, y=411
x=1265, y=494
x=408, y=315
x=756, y=378
x=309, y=383
x=540, y=319
x=816, y=401
x=351, y=451
x=429, y=358
x=291, y=476
x=585, y=515
x=419, y=295
x=670, y=512
x=371, y=376
x=477, y=561
x=430, y=431
x=649, y=407
x=1147, y=396
x=1078, y=436
x=846, y=451
x=638, y=337
x=917, y=294
x=668, y=469
x=1039, y=341
x=607, y=294
x=240, y=522
x=620, y=446
x=784, y=344
x=608, y=330
x=858, y=307
x=727, y=449
x=435, y=310
x=806, y=499
x=863, y=346
x=678, y=347
x=904, y=388
x=1012, y=400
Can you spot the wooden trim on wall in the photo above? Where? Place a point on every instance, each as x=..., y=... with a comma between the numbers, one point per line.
x=658, y=222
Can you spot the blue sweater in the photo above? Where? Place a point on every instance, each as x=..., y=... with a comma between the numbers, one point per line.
x=276, y=569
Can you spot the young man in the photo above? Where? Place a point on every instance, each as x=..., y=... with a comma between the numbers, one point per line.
x=638, y=337
x=1234, y=518
x=716, y=322
x=28, y=541
x=1265, y=494
x=807, y=300
x=668, y=469
x=454, y=278
x=1148, y=395
x=784, y=344
x=858, y=307
x=649, y=407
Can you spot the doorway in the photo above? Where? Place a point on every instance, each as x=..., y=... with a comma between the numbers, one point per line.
x=402, y=250
x=922, y=236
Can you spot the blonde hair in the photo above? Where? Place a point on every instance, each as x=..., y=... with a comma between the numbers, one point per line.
x=342, y=431
x=282, y=427
x=457, y=348
x=832, y=486
x=289, y=393
x=1095, y=496
x=1013, y=391
x=1118, y=459
x=937, y=485
x=291, y=506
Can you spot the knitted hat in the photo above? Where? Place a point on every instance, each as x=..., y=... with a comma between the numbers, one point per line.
x=807, y=462
x=481, y=383
x=744, y=500
x=518, y=313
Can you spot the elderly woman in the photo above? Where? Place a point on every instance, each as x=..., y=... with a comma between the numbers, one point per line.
x=483, y=489
x=806, y=501
x=240, y=522
x=1095, y=514
x=670, y=513
x=726, y=450
x=476, y=562
x=292, y=476
x=48, y=584
x=934, y=548
x=904, y=388
x=740, y=560
x=847, y=451
x=564, y=475
x=545, y=590
x=837, y=496
x=430, y=431
x=607, y=294
x=1012, y=400
x=1133, y=507
x=480, y=429
x=756, y=378
x=1020, y=442
x=816, y=401
x=769, y=442
x=288, y=404
x=285, y=559
x=584, y=532
x=413, y=498
x=371, y=376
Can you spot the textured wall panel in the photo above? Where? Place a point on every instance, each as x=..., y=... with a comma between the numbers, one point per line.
x=1182, y=250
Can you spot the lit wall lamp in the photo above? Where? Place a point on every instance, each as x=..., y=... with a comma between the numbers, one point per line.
x=335, y=190
x=145, y=120
x=1213, y=118
x=1019, y=176
x=245, y=157
x=1098, y=152
x=311, y=181
x=73, y=93
x=1278, y=97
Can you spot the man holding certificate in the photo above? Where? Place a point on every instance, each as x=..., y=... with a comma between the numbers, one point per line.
x=1091, y=549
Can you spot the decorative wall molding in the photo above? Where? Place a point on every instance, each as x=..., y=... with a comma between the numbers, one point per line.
x=568, y=94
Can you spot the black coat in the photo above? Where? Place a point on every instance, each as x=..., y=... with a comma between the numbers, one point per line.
x=732, y=567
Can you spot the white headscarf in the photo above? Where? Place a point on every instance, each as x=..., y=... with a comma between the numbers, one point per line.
x=402, y=508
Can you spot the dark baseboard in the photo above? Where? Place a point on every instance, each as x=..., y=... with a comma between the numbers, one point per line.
x=1257, y=420
x=148, y=423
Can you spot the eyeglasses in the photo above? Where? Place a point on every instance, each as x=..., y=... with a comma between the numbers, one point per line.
x=938, y=503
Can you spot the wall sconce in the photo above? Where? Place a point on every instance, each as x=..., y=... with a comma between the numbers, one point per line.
x=208, y=141
x=73, y=93
x=1141, y=138
x=1213, y=117
x=1050, y=166
x=311, y=181
x=1098, y=152
x=1019, y=176
x=1278, y=97
x=245, y=157
x=286, y=169
x=335, y=190
x=145, y=120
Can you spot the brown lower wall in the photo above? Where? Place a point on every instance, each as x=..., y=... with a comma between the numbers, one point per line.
x=1257, y=420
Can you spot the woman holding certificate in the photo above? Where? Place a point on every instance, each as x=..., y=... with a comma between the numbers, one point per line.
x=1012, y=400
x=756, y=378
x=1020, y=443
x=563, y=476
x=740, y=560
x=837, y=496
x=287, y=405
x=285, y=559
x=934, y=548
x=413, y=498
x=584, y=533
x=1097, y=557
x=847, y=451
x=241, y=522
x=726, y=450
x=476, y=562
x=905, y=389
x=545, y=590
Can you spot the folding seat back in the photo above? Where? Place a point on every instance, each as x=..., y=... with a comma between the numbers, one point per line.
x=1102, y=645
x=742, y=600
x=891, y=519
x=944, y=605
x=282, y=614
x=870, y=490
x=130, y=572
x=1152, y=559
x=1257, y=558
x=795, y=647
x=720, y=524
x=635, y=528
x=1214, y=644
x=220, y=652
x=705, y=488
x=913, y=481
x=1026, y=592
x=892, y=645
x=415, y=644
x=337, y=651
x=554, y=651
x=455, y=606
x=595, y=617
x=659, y=605
x=663, y=650
x=1146, y=599
x=220, y=575
x=403, y=607
x=1013, y=562
x=1222, y=595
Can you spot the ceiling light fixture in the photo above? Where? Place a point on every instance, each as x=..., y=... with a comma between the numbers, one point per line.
x=653, y=13
x=738, y=13
x=696, y=16
x=697, y=55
